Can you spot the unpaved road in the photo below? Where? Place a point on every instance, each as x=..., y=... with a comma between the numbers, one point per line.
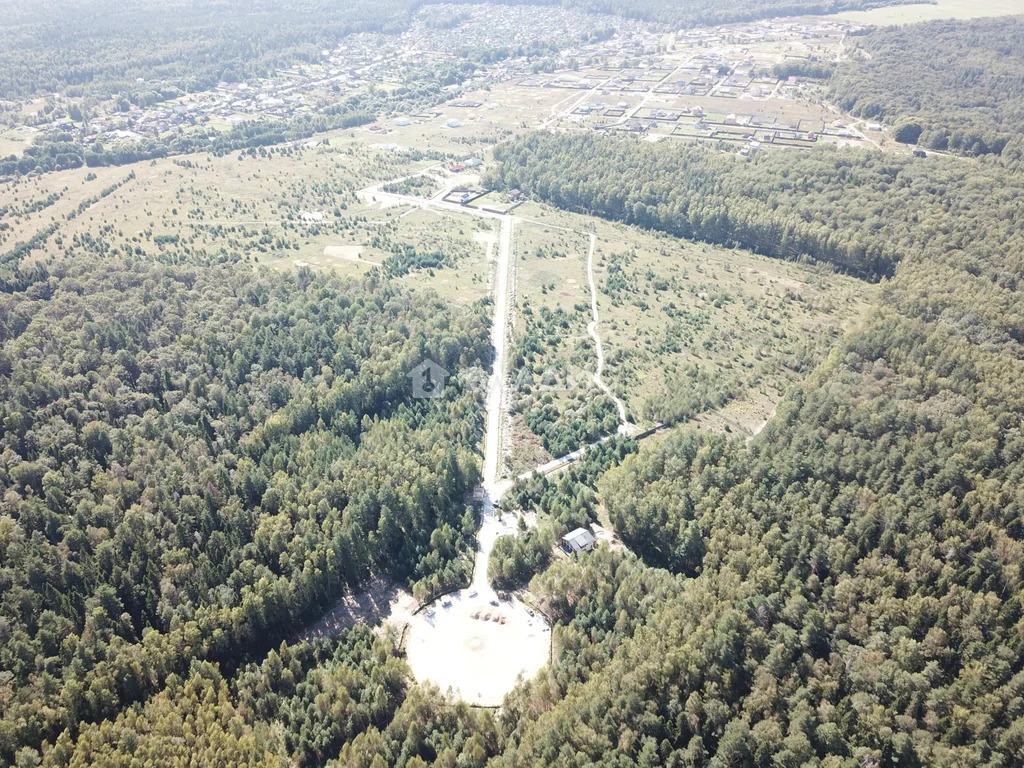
x=624, y=424
x=471, y=642
x=499, y=339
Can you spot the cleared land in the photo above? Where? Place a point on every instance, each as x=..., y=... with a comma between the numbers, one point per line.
x=691, y=329
x=284, y=204
x=475, y=649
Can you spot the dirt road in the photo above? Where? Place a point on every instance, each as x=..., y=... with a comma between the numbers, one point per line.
x=493, y=486
x=624, y=424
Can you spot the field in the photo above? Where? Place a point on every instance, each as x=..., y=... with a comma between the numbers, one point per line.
x=253, y=204
x=462, y=131
x=13, y=142
x=690, y=330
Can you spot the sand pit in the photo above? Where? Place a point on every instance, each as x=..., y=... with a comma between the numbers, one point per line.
x=478, y=659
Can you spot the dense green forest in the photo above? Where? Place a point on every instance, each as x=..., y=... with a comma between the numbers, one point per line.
x=950, y=85
x=862, y=212
x=196, y=459
x=299, y=706
x=843, y=591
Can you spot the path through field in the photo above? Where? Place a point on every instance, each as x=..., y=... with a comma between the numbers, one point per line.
x=624, y=424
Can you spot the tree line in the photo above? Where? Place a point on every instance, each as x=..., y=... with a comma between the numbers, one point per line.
x=862, y=212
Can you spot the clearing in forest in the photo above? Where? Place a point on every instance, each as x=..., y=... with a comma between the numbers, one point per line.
x=688, y=329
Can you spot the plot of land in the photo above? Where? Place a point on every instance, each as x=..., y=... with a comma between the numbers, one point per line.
x=284, y=204
x=691, y=329
x=554, y=404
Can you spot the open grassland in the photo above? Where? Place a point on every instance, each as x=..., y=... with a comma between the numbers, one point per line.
x=254, y=205
x=383, y=237
x=691, y=330
x=14, y=142
x=466, y=131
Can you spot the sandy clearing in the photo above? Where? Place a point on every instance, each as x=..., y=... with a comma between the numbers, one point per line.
x=478, y=660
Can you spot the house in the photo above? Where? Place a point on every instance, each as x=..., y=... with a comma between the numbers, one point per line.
x=874, y=126
x=580, y=540
x=918, y=152
x=474, y=162
x=458, y=168
x=515, y=195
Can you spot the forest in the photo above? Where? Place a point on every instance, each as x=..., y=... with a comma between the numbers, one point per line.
x=199, y=454
x=195, y=456
x=197, y=459
x=861, y=212
x=961, y=83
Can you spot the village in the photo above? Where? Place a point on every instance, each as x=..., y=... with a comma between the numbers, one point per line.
x=749, y=86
